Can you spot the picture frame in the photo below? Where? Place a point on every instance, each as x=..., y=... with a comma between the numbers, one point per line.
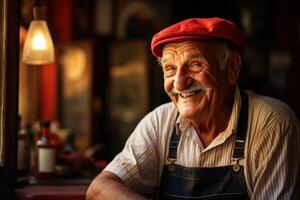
x=75, y=62
x=128, y=88
x=139, y=19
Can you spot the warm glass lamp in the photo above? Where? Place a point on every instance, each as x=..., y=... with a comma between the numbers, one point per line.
x=38, y=46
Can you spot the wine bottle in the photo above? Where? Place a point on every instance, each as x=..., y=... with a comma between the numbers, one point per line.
x=45, y=153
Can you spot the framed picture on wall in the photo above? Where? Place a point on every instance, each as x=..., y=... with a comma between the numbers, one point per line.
x=129, y=87
x=139, y=19
x=75, y=89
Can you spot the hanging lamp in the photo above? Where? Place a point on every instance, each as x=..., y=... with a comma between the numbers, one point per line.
x=38, y=46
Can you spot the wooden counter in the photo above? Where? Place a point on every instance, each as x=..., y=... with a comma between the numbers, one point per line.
x=51, y=192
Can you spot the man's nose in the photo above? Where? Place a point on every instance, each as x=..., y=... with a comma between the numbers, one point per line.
x=182, y=79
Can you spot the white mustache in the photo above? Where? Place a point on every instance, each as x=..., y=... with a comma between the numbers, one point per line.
x=190, y=89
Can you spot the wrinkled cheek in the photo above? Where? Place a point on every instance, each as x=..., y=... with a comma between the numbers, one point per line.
x=168, y=88
x=168, y=85
x=208, y=79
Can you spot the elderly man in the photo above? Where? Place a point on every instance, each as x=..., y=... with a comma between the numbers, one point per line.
x=214, y=140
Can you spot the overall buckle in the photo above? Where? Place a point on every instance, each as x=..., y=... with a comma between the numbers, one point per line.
x=171, y=166
x=236, y=166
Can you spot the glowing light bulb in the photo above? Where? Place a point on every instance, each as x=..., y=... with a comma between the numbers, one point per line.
x=38, y=46
x=39, y=42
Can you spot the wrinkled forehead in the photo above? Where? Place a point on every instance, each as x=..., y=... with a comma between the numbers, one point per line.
x=182, y=47
x=186, y=48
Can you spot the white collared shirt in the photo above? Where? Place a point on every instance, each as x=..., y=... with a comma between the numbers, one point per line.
x=271, y=150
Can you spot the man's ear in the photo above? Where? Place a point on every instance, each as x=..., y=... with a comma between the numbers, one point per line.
x=234, y=68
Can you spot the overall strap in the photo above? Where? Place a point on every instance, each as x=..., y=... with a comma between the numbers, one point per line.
x=174, y=143
x=238, y=152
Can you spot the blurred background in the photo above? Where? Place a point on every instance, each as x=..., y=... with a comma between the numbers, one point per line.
x=105, y=79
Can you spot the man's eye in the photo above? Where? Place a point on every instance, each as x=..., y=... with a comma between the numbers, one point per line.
x=169, y=70
x=196, y=66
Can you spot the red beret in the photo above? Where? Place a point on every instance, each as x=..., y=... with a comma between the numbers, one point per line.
x=198, y=29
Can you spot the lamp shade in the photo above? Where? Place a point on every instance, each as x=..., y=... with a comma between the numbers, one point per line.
x=38, y=47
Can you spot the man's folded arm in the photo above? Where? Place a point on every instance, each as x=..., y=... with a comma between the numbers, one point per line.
x=107, y=186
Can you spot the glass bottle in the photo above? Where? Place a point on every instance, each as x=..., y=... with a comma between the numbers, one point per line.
x=31, y=138
x=45, y=153
x=69, y=145
x=23, y=152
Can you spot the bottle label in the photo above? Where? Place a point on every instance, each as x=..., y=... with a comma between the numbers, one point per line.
x=46, y=158
x=22, y=159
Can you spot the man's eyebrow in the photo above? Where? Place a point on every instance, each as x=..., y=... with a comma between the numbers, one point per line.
x=193, y=56
x=163, y=60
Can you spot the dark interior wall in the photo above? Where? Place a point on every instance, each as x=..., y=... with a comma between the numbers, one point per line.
x=287, y=33
x=229, y=9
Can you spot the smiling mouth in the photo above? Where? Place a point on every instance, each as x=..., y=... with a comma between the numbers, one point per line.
x=188, y=94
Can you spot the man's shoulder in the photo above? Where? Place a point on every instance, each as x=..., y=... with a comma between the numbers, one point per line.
x=270, y=108
x=162, y=114
x=166, y=107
